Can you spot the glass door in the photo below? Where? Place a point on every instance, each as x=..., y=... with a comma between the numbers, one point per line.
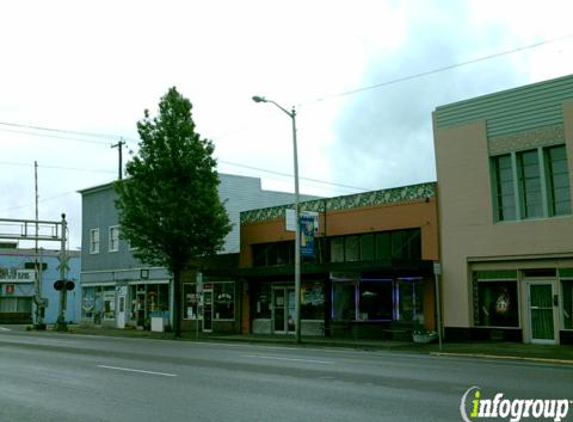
x=541, y=313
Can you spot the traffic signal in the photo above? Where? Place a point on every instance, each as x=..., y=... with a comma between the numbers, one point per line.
x=64, y=284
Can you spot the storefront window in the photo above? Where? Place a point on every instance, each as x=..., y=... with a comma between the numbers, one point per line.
x=191, y=301
x=410, y=294
x=378, y=300
x=88, y=302
x=497, y=304
x=262, y=297
x=567, y=288
x=224, y=296
x=312, y=302
x=157, y=299
x=375, y=300
x=344, y=301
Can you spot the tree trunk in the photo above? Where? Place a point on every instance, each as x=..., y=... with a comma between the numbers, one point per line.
x=176, y=302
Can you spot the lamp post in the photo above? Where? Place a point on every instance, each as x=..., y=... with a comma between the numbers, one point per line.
x=292, y=115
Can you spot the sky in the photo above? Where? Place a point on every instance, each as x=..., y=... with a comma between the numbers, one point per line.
x=364, y=77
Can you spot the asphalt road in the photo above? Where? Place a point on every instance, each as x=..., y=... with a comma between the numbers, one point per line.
x=51, y=377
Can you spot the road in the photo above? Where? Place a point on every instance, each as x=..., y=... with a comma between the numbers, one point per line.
x=65, y=377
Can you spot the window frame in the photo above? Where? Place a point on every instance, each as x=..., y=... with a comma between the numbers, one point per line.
x=94, y=241
x=111, y=238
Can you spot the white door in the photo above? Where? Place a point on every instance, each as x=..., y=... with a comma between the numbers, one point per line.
x=120, y=306
x=542, y=313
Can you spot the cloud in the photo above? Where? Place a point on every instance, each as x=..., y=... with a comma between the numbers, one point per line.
x=384, y=136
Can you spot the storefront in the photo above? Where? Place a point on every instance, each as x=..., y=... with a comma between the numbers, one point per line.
x=17, y=290
x=344, y=304
x=528, y=303
x=126, y=303
x=210, y=306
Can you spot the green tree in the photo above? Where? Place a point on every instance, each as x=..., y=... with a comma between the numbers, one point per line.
x=169, y=207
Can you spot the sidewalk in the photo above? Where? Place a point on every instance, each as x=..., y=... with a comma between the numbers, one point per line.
x=492, y=350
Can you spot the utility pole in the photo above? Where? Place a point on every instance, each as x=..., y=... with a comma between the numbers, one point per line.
x=61, y=324
x=39, y=303
x=119, y=147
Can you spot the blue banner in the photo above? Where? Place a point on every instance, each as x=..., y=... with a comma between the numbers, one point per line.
x=306, y=236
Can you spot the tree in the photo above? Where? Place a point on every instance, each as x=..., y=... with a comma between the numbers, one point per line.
x=169, y=207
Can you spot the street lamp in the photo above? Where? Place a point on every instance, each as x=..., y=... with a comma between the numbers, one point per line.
x=292, y=115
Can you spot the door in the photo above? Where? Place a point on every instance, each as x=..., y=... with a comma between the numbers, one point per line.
x=542, y=313
x=283, y=311
x=121, y=301
x=208, y=309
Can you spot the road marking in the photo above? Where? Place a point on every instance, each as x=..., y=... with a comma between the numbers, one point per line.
x=140, y=371
x=321, y=362
x=4, y=329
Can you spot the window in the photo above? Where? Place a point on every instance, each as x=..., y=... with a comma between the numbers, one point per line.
x=113, y=239
x=378, y=300
x=94, y=241
x=312, y=301
x=399, y=244
x=505, y=199
x=224, y=301
x=558, y=181
x=567, y=289
x=344, y=301
x=529, y=182
x=190, y=301
x=337, y=249
x=273, y=254
x=541, y=177
x=497, y=303
x=375, y=300
x=262, y=299
x=352, y=248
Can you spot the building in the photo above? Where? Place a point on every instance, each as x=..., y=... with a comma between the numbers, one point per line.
x=18, y=285
x=119, y=290
x=371, y=273
x=506, y=228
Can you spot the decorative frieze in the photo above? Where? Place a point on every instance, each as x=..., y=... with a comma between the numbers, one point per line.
x=540, y=137
x=380, y=197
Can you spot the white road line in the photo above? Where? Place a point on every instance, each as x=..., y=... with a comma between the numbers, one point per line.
x=4, y=329
x=321, y=362
x=140, y=371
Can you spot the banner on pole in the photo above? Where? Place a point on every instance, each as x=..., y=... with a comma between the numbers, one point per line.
x=307, y=235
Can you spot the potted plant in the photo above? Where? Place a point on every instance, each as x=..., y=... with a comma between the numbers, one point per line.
x=422, y=335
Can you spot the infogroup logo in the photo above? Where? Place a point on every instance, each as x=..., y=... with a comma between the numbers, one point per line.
x=474, y=406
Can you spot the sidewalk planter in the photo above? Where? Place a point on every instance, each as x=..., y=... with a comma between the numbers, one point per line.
x=424, y=337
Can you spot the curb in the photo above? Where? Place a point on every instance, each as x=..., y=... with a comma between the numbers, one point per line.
x=498, y=357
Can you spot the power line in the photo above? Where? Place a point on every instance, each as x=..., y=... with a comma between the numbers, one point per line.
x=7, y=163
x=290, y=175
x=55, y=136
x=438, y=70
x=73, y=132
x=17, y=207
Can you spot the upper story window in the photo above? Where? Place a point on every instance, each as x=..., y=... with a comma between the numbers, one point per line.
x=401, y=244
x=558, y=181
x=531, y=184
x=270, y=254
x=113, y=239
x=94, y=241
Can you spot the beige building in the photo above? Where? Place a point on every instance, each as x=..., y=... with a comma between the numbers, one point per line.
x=504, y=164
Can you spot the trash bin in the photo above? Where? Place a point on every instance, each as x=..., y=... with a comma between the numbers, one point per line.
x=158, y=324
